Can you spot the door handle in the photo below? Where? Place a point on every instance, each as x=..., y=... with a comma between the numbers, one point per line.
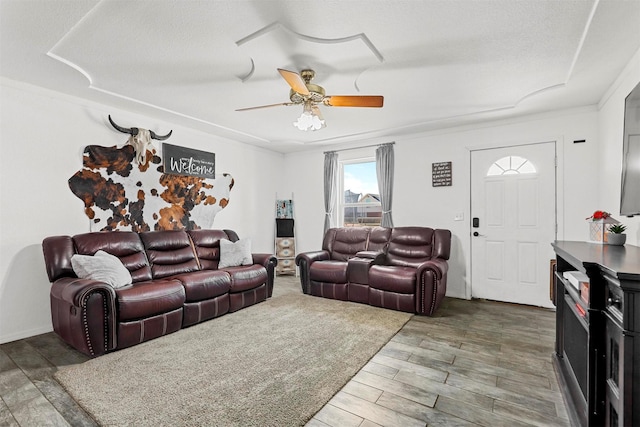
x=476, y=234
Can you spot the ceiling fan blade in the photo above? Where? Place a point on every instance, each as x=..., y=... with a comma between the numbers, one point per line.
x=295, y=81
x=266, y=106
x=374, y=101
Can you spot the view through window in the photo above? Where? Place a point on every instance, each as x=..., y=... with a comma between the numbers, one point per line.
x=360, y=204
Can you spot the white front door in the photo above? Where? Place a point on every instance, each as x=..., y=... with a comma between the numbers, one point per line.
x=513, y=223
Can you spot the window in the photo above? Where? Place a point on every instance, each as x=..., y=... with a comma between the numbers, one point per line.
x=511, y=165
x=359, y=205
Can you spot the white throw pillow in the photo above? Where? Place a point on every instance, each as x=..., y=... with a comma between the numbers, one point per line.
x=233, y=254
x=103, y=267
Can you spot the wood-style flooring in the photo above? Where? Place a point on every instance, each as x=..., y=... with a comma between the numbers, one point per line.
x=474, y=363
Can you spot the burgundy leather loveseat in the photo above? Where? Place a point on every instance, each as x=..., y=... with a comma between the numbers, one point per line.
x=176, y=282
x=401, y=268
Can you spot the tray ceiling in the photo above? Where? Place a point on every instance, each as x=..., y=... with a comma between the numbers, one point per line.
x=437, y=63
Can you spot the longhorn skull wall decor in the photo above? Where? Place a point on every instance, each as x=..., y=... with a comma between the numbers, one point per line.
x=141, y=140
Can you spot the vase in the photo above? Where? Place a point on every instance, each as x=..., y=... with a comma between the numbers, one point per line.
x=616, y=239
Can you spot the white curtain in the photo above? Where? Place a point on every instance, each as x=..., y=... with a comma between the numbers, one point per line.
x=384, y=171
x=330, y=171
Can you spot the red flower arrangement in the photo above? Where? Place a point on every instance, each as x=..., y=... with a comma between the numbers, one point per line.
x=599, y=215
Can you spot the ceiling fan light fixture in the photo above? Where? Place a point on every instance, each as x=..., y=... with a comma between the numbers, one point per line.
x=309, y=119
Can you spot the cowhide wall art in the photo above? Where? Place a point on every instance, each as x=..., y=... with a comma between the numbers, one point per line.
x=120, y=193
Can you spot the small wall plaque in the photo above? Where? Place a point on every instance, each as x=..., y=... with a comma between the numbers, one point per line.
x=441, y=174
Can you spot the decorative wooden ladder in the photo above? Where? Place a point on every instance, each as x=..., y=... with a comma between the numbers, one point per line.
x=285, y=245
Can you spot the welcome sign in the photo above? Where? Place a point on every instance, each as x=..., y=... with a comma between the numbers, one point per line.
x=187, y=161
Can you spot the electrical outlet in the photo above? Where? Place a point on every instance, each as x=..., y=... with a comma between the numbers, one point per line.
x=459, y=216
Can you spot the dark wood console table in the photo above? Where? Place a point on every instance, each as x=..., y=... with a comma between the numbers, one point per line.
x=597, y=354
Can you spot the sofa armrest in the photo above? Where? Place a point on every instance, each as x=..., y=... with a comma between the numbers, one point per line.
x=269, y=261
x=74, y=291
x=438, y=266
x=83, y=313
x=311, y=257
x=358, y=266
x=304, y=261
x=431, y=285
x=377, y=256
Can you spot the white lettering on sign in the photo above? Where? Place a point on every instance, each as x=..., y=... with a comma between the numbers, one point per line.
x=191, y=166
x=441, y=174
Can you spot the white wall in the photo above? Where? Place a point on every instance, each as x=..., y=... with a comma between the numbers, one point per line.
x=610, y=132
x=42, y=136
x=416, y=202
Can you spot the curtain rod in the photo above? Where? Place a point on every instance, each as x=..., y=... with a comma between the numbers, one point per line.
x=357, y=148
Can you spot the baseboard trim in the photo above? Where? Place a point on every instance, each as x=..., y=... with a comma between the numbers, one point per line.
x=24, y=334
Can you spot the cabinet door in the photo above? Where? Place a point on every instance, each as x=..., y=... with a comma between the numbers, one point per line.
x=613, y=370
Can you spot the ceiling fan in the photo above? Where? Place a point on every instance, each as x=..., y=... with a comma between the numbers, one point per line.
x=310, y=95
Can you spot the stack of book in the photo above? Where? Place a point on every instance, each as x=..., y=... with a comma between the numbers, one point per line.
x=580, y=281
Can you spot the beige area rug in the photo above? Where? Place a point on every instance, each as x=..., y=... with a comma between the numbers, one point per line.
x=273, y=364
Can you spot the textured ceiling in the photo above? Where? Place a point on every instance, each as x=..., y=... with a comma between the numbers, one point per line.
x=437, y=63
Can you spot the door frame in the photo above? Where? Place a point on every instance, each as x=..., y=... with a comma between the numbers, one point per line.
x=559, y=142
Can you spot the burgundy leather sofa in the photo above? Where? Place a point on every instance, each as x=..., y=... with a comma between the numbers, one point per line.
x=401, y=268
x=176, y=283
